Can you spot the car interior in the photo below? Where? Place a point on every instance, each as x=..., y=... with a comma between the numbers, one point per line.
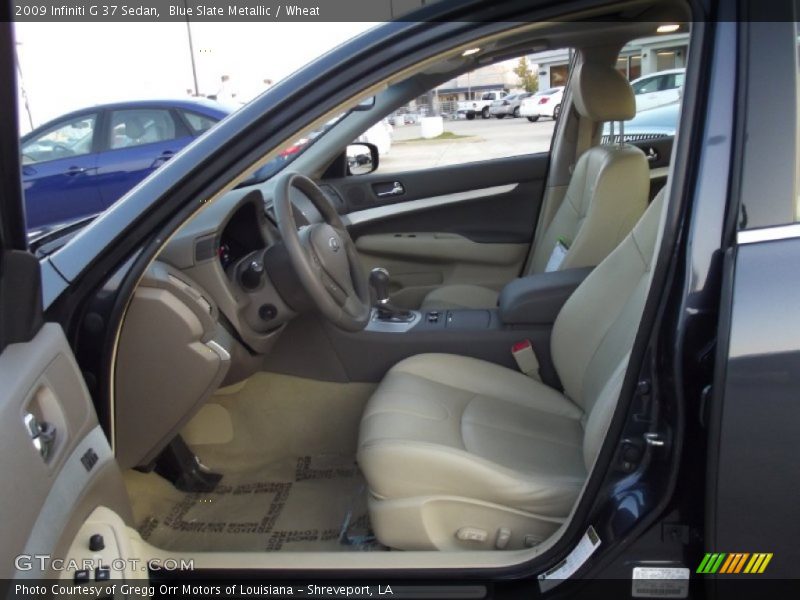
x=324, y=363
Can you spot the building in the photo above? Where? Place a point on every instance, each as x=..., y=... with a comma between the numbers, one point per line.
x=468, y=86
x=638, y=58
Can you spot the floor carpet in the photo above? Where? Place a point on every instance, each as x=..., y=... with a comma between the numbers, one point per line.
x=306, y=503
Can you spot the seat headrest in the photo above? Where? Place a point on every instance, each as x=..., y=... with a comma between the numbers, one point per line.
x=601, y=93
x=134, y=128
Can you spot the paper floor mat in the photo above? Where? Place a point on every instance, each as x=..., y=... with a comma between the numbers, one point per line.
x=301, y=504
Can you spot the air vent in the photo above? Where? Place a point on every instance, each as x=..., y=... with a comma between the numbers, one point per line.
x=633, y=137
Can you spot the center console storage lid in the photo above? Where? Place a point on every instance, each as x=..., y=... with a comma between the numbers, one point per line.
x=537, y=299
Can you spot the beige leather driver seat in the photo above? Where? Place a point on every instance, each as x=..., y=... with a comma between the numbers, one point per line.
x=462, y=453
x=606, y=195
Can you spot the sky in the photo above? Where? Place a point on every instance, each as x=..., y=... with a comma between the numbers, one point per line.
x=67, y=66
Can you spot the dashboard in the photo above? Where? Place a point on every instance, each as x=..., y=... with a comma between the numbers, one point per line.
x=241, y=236
x=200, y=321
x=218, y=250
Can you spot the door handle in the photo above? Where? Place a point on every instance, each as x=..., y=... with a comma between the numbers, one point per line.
x=43, y=435
x=396, y=189
x=164, y=157
x=75, y=170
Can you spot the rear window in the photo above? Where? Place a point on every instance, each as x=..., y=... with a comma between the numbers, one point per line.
x=199, y=123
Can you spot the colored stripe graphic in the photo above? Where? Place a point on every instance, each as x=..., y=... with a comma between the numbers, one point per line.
x=758, y=563
x=764, y=564
x=711, y=562
x=703, y=563
x=734, y=563
x=728, y=561
x=741, y=562
x=715, y=567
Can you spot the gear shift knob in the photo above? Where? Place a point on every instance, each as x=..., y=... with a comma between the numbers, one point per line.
x=379, y=280
x=385, y=311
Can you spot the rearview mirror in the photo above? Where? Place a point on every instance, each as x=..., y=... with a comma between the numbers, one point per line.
x=362, y=158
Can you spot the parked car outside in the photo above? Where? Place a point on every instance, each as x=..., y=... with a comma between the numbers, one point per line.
x=509, y=105
x=379, y=134
x=546, y=103
x=657, y=89
x=469, y=109
x=79, y=164
x=646, y=125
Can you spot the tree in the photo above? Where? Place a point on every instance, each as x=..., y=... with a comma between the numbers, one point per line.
x=527, y=78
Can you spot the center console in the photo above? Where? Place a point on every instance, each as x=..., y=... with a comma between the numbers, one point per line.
x=527, y=309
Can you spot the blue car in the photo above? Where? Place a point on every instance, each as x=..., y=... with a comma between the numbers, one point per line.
x=79, y=164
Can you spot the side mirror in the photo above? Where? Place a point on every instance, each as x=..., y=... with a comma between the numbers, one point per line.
x=362, y=158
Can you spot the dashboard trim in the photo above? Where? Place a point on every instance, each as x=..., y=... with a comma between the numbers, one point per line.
x=382, y=212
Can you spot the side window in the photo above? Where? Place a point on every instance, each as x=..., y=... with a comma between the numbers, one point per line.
x=67, y=139
x=457, y=122
x=770, y=165
x=679, y=79
x=199, y=123
x=137, y=127
x=647, y=86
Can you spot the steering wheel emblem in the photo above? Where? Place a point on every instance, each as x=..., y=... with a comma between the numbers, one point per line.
x=333, y=242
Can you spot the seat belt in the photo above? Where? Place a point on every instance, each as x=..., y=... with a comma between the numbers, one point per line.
x=526, y=359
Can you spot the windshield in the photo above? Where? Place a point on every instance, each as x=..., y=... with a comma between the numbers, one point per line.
x=290, y=153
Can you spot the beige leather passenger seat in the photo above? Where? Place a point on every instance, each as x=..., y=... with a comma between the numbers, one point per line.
x=606, y=195
x=462, y=453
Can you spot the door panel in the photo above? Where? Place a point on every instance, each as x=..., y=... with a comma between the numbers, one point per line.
x=120, y=170
x=56, y=464
x=61, y=190
x=754, y=475
x=136, y=142
x=54, y=491
x=471, y=223
x=357, y=191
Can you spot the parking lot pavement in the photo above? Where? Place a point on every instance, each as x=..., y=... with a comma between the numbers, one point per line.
x=483, y=139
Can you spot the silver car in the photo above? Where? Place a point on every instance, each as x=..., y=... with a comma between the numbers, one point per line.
x=508, y=106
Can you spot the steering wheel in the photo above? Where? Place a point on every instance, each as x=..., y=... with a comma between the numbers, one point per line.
x=323, y=256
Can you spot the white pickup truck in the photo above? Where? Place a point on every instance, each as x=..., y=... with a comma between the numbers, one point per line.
x=471, y=108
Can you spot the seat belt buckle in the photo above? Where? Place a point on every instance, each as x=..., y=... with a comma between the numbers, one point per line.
x=526, y=358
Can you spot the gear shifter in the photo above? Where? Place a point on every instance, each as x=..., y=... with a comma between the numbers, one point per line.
x=379, y=281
